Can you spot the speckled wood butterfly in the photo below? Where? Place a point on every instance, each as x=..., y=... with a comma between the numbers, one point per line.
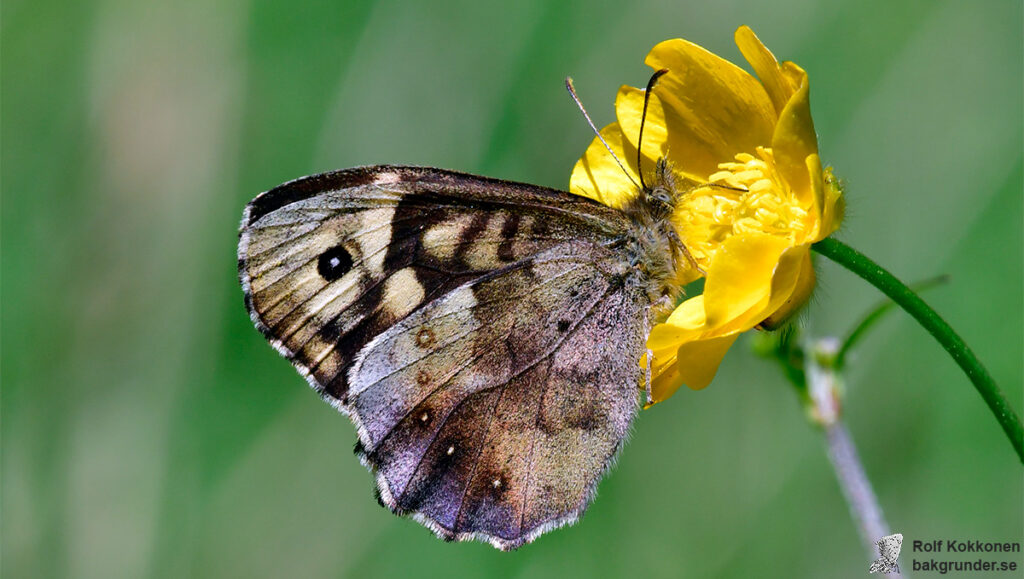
x=483, y=335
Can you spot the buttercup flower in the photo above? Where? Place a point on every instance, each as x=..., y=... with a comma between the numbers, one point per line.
x=749, y=233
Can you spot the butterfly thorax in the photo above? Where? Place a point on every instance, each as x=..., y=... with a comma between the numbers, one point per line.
x=655, y=249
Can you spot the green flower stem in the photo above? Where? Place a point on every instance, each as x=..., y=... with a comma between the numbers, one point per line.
x=904, y=297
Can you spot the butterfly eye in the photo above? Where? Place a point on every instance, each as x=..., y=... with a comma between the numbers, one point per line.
x=662, y=195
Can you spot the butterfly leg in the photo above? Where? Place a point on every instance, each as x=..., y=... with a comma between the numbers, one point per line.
x=647, y=377
x=690, y=259
x=648, y=358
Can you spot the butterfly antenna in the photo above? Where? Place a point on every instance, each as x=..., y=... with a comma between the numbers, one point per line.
x=643, y=120
x=572, y=91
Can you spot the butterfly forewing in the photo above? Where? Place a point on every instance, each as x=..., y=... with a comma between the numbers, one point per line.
x=479, y=333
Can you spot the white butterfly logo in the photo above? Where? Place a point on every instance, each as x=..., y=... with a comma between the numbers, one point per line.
x=889, y=550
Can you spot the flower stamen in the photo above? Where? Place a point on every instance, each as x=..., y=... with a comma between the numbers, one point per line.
x=745, y=196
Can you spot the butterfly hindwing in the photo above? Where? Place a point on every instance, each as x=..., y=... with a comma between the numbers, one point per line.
x=478, y=332
x=503, y=427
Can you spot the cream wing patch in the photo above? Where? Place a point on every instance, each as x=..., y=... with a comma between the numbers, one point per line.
x=374, y=243
x=402, y=293
x=441, y=240
x=483, y=253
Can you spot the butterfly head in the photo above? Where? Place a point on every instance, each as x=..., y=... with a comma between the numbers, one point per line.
x=655, y=247
x=660, y=197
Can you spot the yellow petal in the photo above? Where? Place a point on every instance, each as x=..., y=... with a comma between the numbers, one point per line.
x=776, y=83
x=822, y=212
x=712, y=108
x=689, y=314
x=685, y=324
x=794, y=75
x=598, y=176
x=687, y=275
x=792, y=285
x=629, y=108
x=695, y=366
x=666, y=379
x=740, y=278
x=794, y=140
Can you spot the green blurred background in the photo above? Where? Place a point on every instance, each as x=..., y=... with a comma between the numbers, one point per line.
x=148, y=429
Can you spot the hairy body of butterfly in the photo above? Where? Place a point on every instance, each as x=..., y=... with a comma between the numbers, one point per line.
x=483, y=335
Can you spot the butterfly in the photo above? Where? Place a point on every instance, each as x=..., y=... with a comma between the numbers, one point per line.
x=484, y=336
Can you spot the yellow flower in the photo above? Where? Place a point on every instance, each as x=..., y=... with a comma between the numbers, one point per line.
x=751, y=232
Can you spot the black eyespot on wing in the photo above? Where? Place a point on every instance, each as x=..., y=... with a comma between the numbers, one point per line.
x=334, y=263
